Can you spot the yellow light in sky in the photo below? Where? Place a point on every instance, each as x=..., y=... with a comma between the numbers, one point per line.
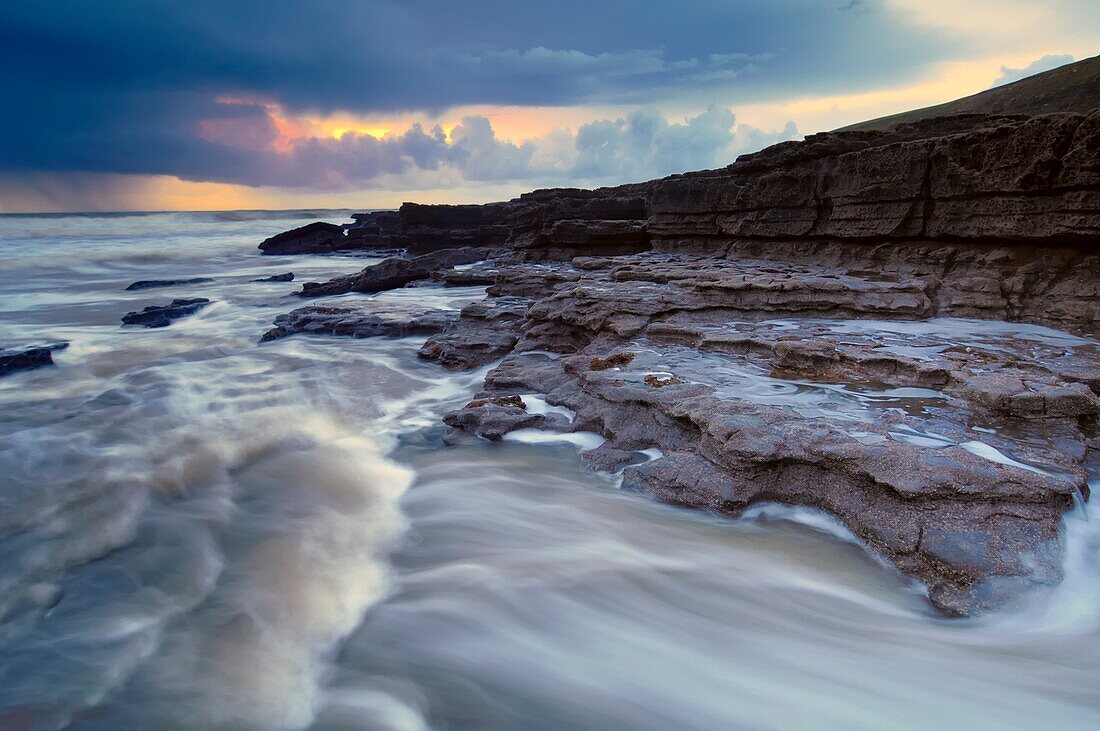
x=378, y=132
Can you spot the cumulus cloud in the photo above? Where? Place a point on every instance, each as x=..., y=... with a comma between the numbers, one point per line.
x=641, y=145
x=1038, y=66
x=645, y=144
x=481, y=156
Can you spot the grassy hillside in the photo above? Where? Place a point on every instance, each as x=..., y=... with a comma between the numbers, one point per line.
x=1074, y=87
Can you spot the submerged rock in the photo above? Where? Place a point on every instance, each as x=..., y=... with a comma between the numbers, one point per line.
x=165, y=315
x=155, y=283
x=288, y=277
x=13, y=360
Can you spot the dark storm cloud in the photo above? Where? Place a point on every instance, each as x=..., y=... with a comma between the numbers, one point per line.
x=127, y=86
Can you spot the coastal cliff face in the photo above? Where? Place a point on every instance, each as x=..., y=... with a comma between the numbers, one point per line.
x=784, y=330
x=994, y=217
x=969, y=179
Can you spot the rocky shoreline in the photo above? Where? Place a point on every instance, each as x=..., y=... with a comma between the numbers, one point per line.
x=897, y=328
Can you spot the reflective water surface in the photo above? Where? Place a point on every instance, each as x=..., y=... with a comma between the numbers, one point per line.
x=197, y=531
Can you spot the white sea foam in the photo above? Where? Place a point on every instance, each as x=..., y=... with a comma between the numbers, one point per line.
x=585, y=440
x=816, y=519
x=536, y=404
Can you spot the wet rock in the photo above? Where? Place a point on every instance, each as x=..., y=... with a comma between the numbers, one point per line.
x=393, y=273
x=478, y=275
x=725, y=454
x=155, y=283
x=658, y=382
x=483, y=332
x=287, y=277
x=532, y=280
x=355, y=322
x=491, y=419
x=515, y=401
x=375, y=222
x=314, y=238
x=663, y=361
x=13, y=360
x=165, y=315
x=607, y=458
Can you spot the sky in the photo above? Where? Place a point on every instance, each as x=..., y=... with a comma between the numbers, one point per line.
x=219, y=104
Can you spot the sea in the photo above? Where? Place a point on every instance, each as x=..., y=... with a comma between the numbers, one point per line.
x=199, y=531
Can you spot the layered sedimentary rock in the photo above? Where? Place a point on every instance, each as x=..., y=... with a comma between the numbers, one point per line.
x=999, y=179
x=851, y=323
x=950, y=447
x=374, y=230
x=993, y=216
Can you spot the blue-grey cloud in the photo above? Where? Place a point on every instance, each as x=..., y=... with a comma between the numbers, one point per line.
x=128, y=86
x=645, y=144
x=1038, y=66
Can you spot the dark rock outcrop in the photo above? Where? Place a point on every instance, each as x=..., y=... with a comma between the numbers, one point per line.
x=393, y=273
x=156, y=283
x=355, y=322
x=288, y=277
x=13, y=360
x=313, y=238
x=165, y=315
x=544, y=225
x=427, y=228
x=374, y=230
